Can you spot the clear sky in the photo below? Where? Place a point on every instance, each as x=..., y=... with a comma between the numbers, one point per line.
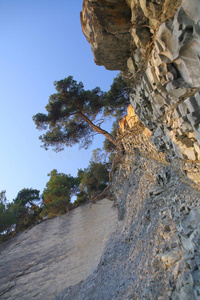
x=40, y=41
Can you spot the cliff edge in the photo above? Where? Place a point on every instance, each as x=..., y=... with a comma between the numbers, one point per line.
x=154, y=253
x=156, y=45
x=151, y=237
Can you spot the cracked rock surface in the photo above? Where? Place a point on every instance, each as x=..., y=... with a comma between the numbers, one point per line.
x=154, y=251
x=156, y=45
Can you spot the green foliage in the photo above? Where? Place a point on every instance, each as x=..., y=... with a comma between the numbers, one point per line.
x=7, y=219
x=25, y=209
x=82, y=197
x=70, y=117
x=20, y=214
x=93, y=179
x=99, y=156
x=117, y=98
x=3, y=217
x=107, y=145
x=116, y=103
x=74, y=115
x=27, y=197
x=57, y=194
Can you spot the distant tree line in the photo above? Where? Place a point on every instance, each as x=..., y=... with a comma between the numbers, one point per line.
x=19, y=214
x=62, y=193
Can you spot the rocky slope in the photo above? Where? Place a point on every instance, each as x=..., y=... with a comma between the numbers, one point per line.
x=152, y=251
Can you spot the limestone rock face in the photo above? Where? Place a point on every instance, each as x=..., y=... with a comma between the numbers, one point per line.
x=129, y=120
x=151, y=251
x=167, y=99
x=41, y=262
x=106, y=25
x=163, y=68
x=154, y=252
x=116, y=29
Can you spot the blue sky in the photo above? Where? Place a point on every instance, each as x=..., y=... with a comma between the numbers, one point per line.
x=40, y=41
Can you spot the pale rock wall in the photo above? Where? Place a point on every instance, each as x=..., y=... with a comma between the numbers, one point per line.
x=154, y=252
x=156, y=44
x=167, y=98
x=41, y=262
x=128, y=121
x=106, y=25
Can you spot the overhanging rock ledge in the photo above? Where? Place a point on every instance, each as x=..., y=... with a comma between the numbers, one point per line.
x=156, y=45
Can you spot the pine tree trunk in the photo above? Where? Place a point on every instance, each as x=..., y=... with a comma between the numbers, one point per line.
x=98, y=129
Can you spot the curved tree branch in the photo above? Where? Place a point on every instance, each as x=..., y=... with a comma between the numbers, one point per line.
x=98, y=129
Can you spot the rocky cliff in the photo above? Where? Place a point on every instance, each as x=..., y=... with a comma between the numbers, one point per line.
x=156, y=45
x=154, y=252
x=144, y=245
x=41, y=262
x=151, y=251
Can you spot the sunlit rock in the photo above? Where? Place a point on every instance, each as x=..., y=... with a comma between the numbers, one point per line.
x=162, y=66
